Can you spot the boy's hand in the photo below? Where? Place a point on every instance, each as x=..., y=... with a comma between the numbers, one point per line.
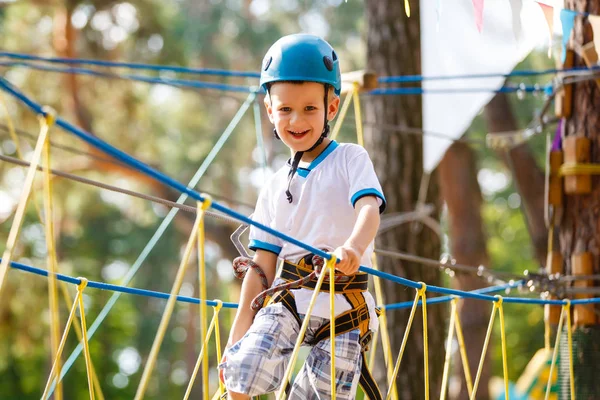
x=349, y=259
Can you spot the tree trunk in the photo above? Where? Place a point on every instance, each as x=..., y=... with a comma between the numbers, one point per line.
x=528, y=177
x=460, y=189
x=579, y=226
x=393, y=48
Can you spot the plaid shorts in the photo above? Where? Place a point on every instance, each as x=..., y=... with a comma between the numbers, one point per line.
x=256, y=364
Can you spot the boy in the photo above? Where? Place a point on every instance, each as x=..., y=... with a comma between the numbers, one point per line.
x=327, y=196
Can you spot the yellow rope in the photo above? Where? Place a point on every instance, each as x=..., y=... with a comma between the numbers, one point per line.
x=288, y=372
x=579, y=169
x=498, y=305
x=423, y=294
x=446, y=372
x=202, y=207
x=570, y=341
x=86, y=347
x=61, y=345
x=343, y=111
x=164, y=322
x=218, y=345
x=330, y=267
x=403, y=345
x=358, y=116
x=463, y=352
x=213, y=322
x=15, y=228
x=555, y=352
x=45, y=123
x=485, y=346
x=407, y=8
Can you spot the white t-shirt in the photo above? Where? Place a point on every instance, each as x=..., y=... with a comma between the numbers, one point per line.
x=321, y=214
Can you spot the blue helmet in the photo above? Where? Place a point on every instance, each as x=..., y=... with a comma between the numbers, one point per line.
x=301, y=57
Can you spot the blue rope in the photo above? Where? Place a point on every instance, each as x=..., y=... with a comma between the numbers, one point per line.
x=444, y=299
x=136, y=66
x=116, y=288
x=521, y=73
x=436, y=289
x=418, y=91
x=139, y=78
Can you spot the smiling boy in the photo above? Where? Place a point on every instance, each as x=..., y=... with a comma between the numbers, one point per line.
x=329, y=197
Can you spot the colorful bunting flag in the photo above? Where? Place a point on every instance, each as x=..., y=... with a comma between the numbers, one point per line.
x=516, y=6
x=595, y=23
x=549, y=15
x=478, y=6
x=567, y=19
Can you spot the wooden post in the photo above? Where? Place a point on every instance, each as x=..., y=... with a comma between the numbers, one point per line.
x=554, y=265
x=563, y=102
x=577, y=151
x=582, y=264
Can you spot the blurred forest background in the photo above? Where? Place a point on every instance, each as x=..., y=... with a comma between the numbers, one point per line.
x=100, y=234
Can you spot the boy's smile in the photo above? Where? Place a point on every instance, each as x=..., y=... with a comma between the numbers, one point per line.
x=298, y=112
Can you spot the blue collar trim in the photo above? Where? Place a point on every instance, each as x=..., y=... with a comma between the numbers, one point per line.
x=303, y=172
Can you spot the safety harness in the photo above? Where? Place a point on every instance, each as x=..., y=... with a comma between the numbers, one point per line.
x=304, y=274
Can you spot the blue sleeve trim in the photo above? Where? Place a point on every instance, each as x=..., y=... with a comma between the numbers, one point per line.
x=369, y=192
x=258, y=245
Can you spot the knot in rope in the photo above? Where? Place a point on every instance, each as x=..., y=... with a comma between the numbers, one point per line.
x=241, y=265
x=421, y=291
x=499, y=301
x=49, y=115
x=219, y=305
x=206, y=203
x=82, y=284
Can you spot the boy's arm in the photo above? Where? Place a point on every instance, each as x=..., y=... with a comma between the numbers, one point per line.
x=251, y=287
x=365, y=229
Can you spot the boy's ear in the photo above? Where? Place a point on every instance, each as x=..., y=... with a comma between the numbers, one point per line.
x=333, y=107
x=268, y=107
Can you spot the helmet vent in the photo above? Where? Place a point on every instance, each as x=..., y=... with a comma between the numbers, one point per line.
x=328, y=63
x=267, y=62
x=334, y=56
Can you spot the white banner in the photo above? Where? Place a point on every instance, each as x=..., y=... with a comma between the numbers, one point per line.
x=455, y=47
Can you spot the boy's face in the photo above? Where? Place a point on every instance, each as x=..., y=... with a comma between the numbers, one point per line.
x=298, y=112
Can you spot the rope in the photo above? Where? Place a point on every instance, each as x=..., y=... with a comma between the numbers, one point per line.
x=202, y=207
x=463, y=355
x=403, y=345
x=203, y=353
x=45, y=124
x=135, y=66
x=498, y=305
x=164, y=322
x=61, y=345
x=331, y=270
x=420, y=91
x=521, y=73
x=425, y=340
x=15, y=228
x=116, y=288
x=163, y=225
x=563, y=311
x=570, y=344
x=86, y=348
x=579, y=169
x=483, y=352
x=185, y=83
x=132, y=193
x=247, y=74
x=288, y=372
x=342, y=115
